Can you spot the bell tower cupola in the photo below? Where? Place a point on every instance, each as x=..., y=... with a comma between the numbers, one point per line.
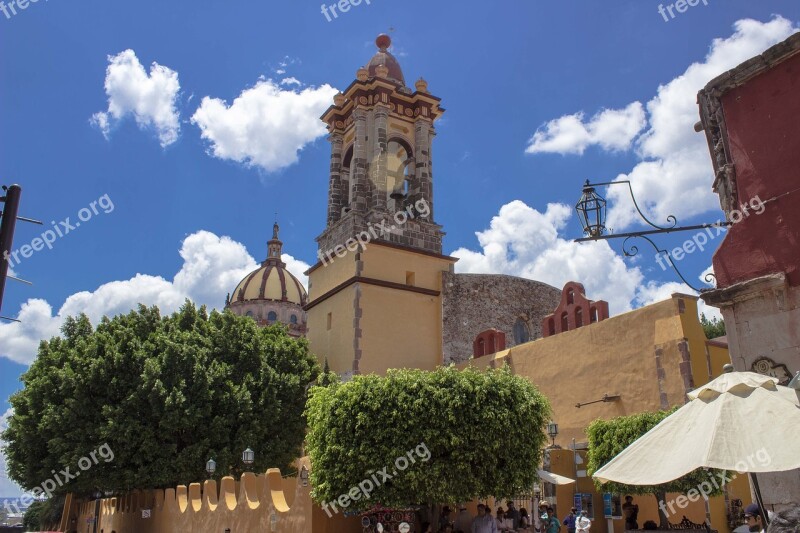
x=381, y=133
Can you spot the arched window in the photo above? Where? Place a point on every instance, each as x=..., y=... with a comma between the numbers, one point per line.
x=293, y=319
x=578, y=317
x=481, y=347
x=570, y=297
x=346, y=176
x=564, y=321
x=249, y=313
x=272, y=316
x=398, y=174
x=593, y=313
x=521, y=332
x=551, y=326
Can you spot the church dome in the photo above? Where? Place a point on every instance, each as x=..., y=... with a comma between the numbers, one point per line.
x=271, y=281
x=383, y=57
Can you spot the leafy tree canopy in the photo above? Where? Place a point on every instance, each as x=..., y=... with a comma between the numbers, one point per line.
x=164, y=394
x=484, y=433
x=608, y=438
x=713, y=328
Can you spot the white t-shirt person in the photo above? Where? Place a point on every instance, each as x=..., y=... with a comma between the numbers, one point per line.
x=582, y=523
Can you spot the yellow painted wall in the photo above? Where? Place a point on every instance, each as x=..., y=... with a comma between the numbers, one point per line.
x=336, y=343
x=616, y=356
x=257, y=503
x=399, y=328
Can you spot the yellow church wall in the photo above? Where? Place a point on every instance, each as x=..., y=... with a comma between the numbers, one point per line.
x=334, y=343
x=389, y=316
x=400, y=330
x=392, y=264
x=326, y=277
x=636, y=355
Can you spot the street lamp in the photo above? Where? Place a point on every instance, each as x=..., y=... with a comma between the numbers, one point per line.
x=552, y=430
x=248, y=457
x=211, y=467
x=591, y=210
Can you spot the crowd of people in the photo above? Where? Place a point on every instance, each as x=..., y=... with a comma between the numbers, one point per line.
x=508, y=520
x=511, y=519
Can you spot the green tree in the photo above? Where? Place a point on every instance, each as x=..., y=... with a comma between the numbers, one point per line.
x=483, y=434
x=608, y=438
x=164, y=394
x=31, y=520
x=43, y=514
x=713, y=328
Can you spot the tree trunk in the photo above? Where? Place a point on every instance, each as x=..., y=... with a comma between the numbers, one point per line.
x=663, y=521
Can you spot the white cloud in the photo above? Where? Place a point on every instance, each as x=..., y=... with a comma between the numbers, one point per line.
x=612, y=129
x=675, y=174
x=265, y=126
x=522, y=241
x=151, y=99
x=212, y=266
x=291, y=81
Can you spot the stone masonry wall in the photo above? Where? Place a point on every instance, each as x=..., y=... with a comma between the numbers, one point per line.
x=473, y=303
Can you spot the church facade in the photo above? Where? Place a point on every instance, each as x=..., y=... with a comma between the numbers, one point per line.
x=382, y=294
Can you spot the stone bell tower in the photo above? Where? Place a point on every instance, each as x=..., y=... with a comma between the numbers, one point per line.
x=375, y=303
x=381, y=134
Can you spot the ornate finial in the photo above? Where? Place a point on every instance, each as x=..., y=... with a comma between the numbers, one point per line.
x=383, y=42
x=339, y=100
x=275, y=229
x=362, y=74
x=421, y=85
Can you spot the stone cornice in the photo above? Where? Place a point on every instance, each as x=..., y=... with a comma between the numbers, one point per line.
x=369, y=281
x=746, y=290
x=379, y=92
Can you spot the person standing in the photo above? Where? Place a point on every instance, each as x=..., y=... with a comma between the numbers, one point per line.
x=463, y=520
x=524, y=520
x=512, y=513
x=484, y=522
x=552, y=525
x=569, y=520
x=630, y=511
x=753, y=519
x=582, y=523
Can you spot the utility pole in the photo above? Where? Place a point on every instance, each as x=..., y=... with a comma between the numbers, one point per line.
x=7, y=224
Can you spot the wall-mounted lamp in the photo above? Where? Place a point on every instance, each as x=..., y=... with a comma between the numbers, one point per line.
x=605, y=399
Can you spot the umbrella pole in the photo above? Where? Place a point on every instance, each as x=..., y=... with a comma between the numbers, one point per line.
x=759, y=500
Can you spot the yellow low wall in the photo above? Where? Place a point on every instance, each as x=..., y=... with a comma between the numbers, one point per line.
x=256, y=503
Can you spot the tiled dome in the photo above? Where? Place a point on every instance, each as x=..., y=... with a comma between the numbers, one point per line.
x=271, y=281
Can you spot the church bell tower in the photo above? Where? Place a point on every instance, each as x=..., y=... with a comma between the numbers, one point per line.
x=375, y=295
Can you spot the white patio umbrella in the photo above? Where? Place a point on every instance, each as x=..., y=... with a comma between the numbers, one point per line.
x=555, y=479
x=740, y=421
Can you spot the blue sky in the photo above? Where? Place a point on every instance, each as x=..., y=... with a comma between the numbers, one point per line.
x=188, y=160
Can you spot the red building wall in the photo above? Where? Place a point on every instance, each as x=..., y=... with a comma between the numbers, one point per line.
x=764, y=144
